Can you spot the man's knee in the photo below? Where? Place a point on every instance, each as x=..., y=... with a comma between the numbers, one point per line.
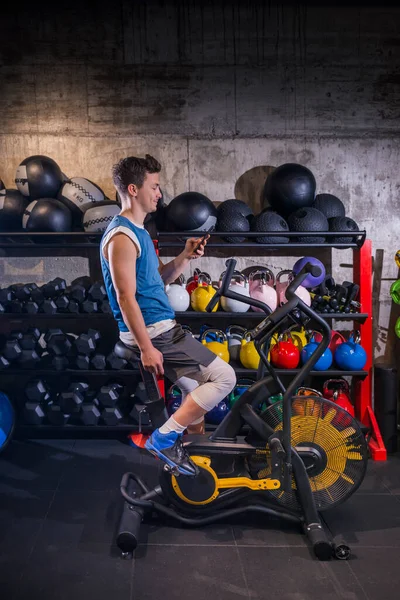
x=222, y=374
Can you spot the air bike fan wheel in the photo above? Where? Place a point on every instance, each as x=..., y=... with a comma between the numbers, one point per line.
x=336, y=455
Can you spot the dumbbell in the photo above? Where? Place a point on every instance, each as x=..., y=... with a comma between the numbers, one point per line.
x=58, y=343
x=6, y=296
x=4, y=362
x=86, y=342
x=26, y=341
x=70, y=401
x=54, y=288
x=98, y=361
x=115, y=362
x=97, y=291
x=37, y=390
x=89, y=306
x=90, y=413
x=33, y=413
x=112, y=416
x=55, y=414
x=79, y=288
x=31, y=307
x=23, y=291
x=79, y=386
x=110, y=394
x=104, y=307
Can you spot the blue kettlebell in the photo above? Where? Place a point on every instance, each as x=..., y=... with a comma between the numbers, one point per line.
x=210, y=337
x=240, y=388
x=174, y=399
x=351, y=356
x=323, y=363
x=216, y=414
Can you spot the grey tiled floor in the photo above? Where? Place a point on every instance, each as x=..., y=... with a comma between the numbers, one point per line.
x=59, y=506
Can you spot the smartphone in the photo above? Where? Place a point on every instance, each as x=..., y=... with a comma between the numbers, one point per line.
x=201, y=240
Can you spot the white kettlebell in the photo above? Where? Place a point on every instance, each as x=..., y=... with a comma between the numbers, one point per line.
x=229, y=305
x=178, y=296
x=261, y=285
x=281, y=286
x=235, y=334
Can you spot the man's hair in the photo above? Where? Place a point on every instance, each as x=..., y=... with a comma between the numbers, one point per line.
x=133, y=170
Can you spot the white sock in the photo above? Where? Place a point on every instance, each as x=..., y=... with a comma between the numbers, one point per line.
x=172, y=425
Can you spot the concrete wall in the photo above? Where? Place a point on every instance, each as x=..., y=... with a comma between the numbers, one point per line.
x=218, y=92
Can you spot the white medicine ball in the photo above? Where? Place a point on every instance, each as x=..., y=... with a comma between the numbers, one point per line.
x=97, y=218
x=78, y=194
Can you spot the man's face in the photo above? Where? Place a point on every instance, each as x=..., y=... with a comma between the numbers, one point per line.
x=149, y=194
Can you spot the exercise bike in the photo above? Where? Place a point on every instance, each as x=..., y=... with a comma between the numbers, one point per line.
x=289, y=459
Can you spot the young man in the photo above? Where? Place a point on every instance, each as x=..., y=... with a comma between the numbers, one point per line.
x=135, y=280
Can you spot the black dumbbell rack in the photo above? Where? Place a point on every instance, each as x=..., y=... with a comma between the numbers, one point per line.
x=87, y=245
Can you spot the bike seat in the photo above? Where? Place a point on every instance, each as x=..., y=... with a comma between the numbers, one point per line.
x=126, y=352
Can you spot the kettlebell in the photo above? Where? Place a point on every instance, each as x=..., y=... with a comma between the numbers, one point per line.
x=229, y=305
x=217, y=414
x=323, y=363
x=249, y=356
x=336, y=339
x=219, y=347
x=202, y=295
x=299, y=338
x=235, y=334
x=304, y=402
x=284, y=354
x=261, y=287
x=242, y=385
x=281, y=286
x=174, y=399
x=193, y=281
x=338, y=391
x=178, y=297
x=351, y=356
x=395, y=291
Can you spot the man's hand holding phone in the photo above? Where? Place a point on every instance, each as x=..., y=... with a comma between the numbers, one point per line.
x=194, y=247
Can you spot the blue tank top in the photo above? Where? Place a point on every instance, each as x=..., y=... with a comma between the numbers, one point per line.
x=150, y=291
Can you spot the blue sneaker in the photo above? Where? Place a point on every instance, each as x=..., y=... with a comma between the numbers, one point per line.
x=169, y=448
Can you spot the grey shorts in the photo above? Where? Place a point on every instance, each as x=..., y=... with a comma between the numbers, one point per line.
x=182, y=353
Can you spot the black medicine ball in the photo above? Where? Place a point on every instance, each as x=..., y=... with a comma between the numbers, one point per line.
x=330, y=205
x=39, y=177
x=47, y=214
x=342, y=224
x=233, y=222
x=191, y=211
x=308, y=219
x=234, y=207
x=269, y=221
x=12, y=206
x=289, y=187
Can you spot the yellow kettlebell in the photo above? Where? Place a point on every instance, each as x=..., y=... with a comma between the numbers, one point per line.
x=219, y=346
x=202, y=295
x=299, y=338
x=249, y=356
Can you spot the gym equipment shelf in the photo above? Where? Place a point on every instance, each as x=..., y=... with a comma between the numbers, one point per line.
x=81, y=239
x=190, y=314
x=86, y=244
x=356, y=239
x=129, y=372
